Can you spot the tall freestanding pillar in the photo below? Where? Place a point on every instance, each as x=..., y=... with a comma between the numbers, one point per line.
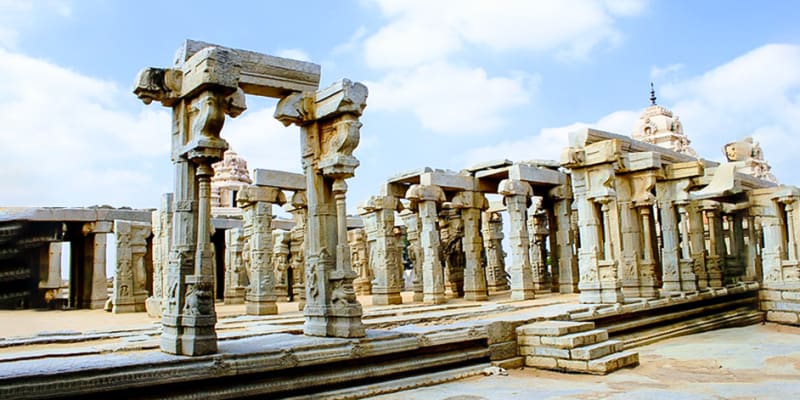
x=471, y=205
x=235, y=275
x=412, y=223
x=297, y=207
x=329, y=133
x=426, y=198
x=384, y=259
x=517, y=196
x=130, y=282
x=563, y=256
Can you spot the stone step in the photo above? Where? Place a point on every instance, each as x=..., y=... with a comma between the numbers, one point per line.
x=574, y=340
x=596, y=350
x=613, y=362
x=554, y=328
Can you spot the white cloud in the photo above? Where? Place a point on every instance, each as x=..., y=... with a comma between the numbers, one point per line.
x=16, y=15
x=449, y=99
x=294, y=54
x=756, y=94
x=548, y=143
x=68, y=142
x=263, y=141
x=657, y=72
x=422, y=31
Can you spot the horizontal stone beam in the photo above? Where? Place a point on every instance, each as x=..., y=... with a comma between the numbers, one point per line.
x=279, y=179
x=448, y=180
x=536, y=176
x=262, y=74
x=72, y=214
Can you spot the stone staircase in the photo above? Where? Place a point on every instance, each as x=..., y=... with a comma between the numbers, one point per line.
x=572, y=347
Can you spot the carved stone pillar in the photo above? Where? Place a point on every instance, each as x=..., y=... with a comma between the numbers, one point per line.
x=451, y=231
x=95, y=238
x=470, y=205
x=697, y=242
x=715, y=261
x=413, y=229
x=280, y=263
x=201, y=90
x=330, y=132
x=161, y=244
x=130, y=281
x=257, y=201
x=384, y=259
x=360, y=257
x=492, y=231
x=754, y=245
x=516, y=195
x=537, y=232
x=236, y=280
x=677, y=273
x=426, y=199
x=562, y=254
x=299, y=213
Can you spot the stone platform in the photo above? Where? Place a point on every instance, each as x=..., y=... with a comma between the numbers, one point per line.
x=268, y=355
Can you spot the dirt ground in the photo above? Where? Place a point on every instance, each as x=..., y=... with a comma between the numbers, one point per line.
x=754, y=362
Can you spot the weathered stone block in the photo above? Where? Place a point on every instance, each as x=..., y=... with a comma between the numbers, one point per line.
x=613, y=362
x=597, y=350
x=550, y=352
x=526, y=350
x=501, y=331
x=501, y=351
x=783, y=317
x=541, y=362
x=576, y=339
x=554, y=328
x=573, y=365
x=791, y=295
x=785, y=306
x=769, y=295
x=510, y=363
x=529, y=340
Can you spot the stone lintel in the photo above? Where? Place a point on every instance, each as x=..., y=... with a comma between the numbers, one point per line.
x=448, y=181
x=723, y=183
x=785, y=193
x=279, y=179
x=262, y=74
x=253, y=194
x=88, y=214
x=641, y=161
x=211, y=67
x=683, y=170
x=393, y=189
x=586, y=136
x=538, y=176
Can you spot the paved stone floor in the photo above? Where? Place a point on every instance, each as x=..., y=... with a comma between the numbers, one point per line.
x=754, y=362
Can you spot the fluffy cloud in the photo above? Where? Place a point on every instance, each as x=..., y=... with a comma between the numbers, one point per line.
x=423, y=31
x=756, y=94
x=450, y=99
x=66, y=140
x=263, y=141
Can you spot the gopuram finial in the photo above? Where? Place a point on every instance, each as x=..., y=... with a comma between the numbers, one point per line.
x=652, y=94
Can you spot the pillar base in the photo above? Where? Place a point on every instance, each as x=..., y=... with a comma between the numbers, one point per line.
x=195, y=337
x=522, y=294
x=233, y=299
x=261, y=308
x=434, y=298
x=418, y=296
x=383, y=299
x=342, y=321
x=475, y=296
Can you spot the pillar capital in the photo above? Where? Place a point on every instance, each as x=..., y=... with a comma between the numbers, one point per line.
x=419, y=193
x=375, y=203
x=250, y=195
x=467, y=199
x=513, y=187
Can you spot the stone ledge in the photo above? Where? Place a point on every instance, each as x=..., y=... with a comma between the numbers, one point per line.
x=554, y=328
x=574, y=340
x=597, y=350
x=614, y=362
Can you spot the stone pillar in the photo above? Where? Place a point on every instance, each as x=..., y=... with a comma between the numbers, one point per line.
x=236, y=281
x=495, y=256
x=359, y=257
x=51, y=279
x=257, y=201
x=130, y=290
x=201, y=90
x=562, y=253
x=754, y=246
x=538, y=231
x=716, y=254
x=412, y=223
x=426, y=198
x=470, y=205
x=96, y=237
x=329, y=134
x=297, y=208
x=677, y=273
x=516, y=195
x=162, y=241
x=280, y=263
x=384, y=260
x=451, y=231
x=697, y=241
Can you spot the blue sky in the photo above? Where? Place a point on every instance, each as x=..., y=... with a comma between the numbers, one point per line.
x=451, y=83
